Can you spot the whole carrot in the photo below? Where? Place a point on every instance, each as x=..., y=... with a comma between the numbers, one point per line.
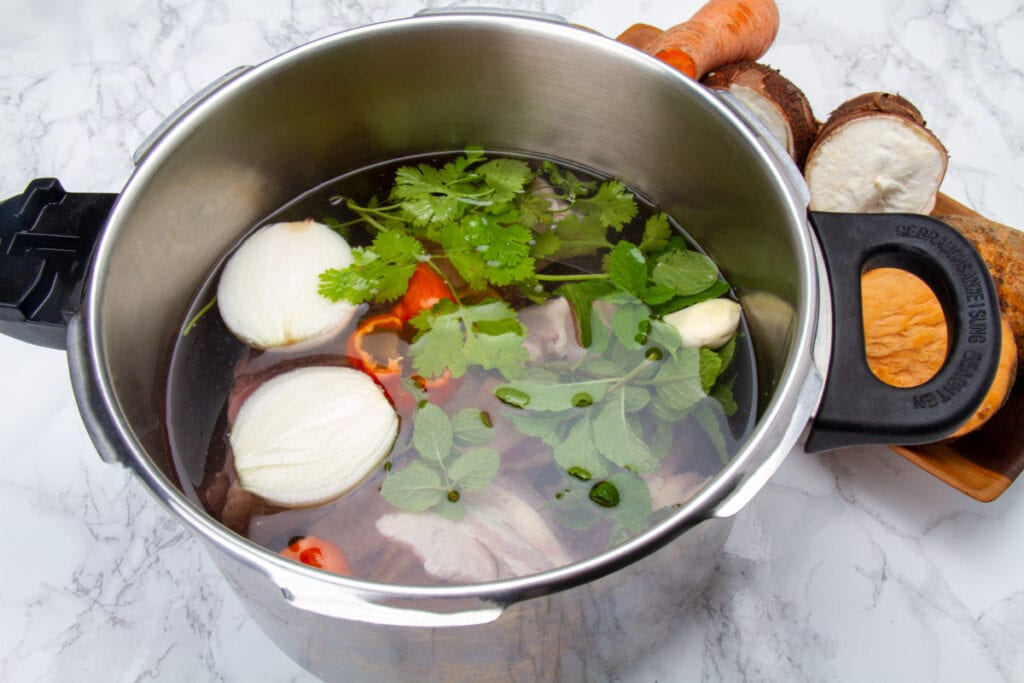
x=721, y=32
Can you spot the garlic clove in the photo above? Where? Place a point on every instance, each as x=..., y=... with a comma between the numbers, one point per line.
x=267, y=294
x=708, y=324
x=309, y=435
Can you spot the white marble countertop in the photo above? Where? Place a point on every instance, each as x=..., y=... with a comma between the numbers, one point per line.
x=851, y=566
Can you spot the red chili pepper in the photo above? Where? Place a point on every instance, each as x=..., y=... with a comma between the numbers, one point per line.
x=426, y=288
x=318, y=552
x=361, y=353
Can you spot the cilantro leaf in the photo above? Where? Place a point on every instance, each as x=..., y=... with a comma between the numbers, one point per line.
x=505, y=177
x=612, y=205
x=567, y=181
x=378, y=274
x=485, y=250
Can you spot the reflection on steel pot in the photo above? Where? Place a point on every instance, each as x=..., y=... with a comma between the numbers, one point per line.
x=267, y=134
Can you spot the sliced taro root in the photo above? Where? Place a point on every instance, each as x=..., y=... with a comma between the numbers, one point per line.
x=774, y=100
x=875, y=155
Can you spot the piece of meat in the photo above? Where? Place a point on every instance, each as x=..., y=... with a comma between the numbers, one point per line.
x=501, y=536
x=551, y=331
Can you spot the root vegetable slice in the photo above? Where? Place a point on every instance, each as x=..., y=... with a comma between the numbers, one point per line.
x=774, y=99
x=875, y=155
x=1002, y=249
x=267, y=294
x=309, y=435
x=906, y=338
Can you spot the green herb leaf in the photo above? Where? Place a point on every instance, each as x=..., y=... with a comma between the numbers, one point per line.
x=555, y=394
x=627, y=268
x=470, y=428
x=475, y=469
x=579, y=237
x=449, y=339
x=432, y=434
x=415, y=488
x=634, y=508
x=685, y=272
x=618, y=441
x=581, y=296
x=506, y=177
x=578, y=450
x=657, y=232
x=613, y=205
x=631, y=324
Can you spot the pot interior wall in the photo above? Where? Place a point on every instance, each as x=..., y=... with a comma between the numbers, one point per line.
x=435, y=84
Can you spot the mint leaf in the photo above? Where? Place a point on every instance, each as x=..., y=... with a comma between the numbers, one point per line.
x=657, y=232
x=685, y=272
x=579, y=237
x=631, y=324
x=677, y=385
x=676, y=303
x=627, y=268
x=710, y=368
x=581, y=297
x=557, y=395
x=475, y=469
x=618, y=441
x=578, y=449
x=415, y=488
x=634, y=508
x=432, y=434
x=471, y=427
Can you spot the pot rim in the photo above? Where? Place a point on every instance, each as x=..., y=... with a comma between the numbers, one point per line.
x=781, y=424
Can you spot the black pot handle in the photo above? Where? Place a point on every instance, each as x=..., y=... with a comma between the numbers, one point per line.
x=47, y=237
x=857, y=408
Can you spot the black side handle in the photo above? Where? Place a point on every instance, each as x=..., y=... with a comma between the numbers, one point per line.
x=47, y=236
x=857, y=408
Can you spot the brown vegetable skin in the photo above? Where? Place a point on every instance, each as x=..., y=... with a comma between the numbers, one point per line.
x=721, y=32
x=906, y=339
x=852, y=164
x=779, y=92
x=1002, y=249
x=639, y=35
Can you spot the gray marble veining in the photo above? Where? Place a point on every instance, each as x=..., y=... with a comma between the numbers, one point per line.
x=849, y=566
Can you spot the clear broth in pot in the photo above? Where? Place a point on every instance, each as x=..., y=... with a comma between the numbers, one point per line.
x=571, y=482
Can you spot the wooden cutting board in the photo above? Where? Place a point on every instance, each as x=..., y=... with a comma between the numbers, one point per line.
x=984, y=463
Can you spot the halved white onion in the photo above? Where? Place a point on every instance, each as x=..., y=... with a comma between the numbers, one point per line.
x=267, y=294
x=709, y=323
x=309, y=435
